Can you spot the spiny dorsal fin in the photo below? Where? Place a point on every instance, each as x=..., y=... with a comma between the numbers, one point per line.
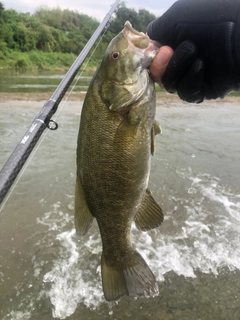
x=149, y=215
x=82, y=215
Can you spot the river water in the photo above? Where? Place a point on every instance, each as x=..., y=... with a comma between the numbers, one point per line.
x=40, y=81
x=47, y=272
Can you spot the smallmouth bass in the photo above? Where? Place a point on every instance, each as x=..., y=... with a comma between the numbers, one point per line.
x=115, y=144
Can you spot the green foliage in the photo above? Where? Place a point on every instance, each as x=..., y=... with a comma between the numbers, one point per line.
x=1, y=8
x=45, y=37
x=139, y=19
x=36, y=59
x=22, y=63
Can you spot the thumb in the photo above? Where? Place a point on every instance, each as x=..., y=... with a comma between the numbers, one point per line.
x=160, y=63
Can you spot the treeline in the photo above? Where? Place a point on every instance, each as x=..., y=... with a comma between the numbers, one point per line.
x=52, y=38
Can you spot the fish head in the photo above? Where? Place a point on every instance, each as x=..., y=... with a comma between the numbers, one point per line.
x=125, y=63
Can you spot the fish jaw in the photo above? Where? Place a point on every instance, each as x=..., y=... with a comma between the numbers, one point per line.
x=141, y=44
x=138, y=39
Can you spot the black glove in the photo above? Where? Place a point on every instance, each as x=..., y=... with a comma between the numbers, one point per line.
x=205, y=35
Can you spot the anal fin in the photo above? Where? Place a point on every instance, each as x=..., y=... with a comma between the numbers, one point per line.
x=82, y=215
x=149, y=215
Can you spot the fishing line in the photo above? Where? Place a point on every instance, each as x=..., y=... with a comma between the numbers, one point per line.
x=20, y=155
x=46, y=132
x=81, y=73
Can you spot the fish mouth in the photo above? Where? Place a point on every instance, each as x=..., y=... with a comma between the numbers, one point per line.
x=139, y=39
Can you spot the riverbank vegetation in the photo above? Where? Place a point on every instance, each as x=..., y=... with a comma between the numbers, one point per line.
x=52, y=38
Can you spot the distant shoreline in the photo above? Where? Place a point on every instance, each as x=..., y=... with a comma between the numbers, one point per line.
x=162, y=97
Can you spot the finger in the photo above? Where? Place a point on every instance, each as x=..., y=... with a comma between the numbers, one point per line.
x=160, y=62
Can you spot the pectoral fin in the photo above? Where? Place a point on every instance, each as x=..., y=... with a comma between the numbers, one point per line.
x=156, y=129
x=149, y=215
x=83, y=217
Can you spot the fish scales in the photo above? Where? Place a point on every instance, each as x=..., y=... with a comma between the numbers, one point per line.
x=113, y=163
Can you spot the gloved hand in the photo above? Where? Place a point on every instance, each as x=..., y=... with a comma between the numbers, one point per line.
x=205, y=35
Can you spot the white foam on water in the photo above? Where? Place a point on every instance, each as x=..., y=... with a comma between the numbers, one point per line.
x=74, y=279
x=63, y=278
x=205, y=237
x=208, y=237
x=19, y=315
x=75, y=274
x=206, y=240
x=55, y=219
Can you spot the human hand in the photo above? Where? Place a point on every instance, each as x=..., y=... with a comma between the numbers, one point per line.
x=160, y=63
x=205, y=38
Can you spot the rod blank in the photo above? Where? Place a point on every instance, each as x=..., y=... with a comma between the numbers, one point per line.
x=23, y=150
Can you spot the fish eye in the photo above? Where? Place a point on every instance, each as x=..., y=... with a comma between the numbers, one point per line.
x=114, y=55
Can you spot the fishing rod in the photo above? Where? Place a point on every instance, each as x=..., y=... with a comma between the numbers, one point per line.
x=43, y=120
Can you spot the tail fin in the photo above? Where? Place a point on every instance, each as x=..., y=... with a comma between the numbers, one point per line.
x=134, y=279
